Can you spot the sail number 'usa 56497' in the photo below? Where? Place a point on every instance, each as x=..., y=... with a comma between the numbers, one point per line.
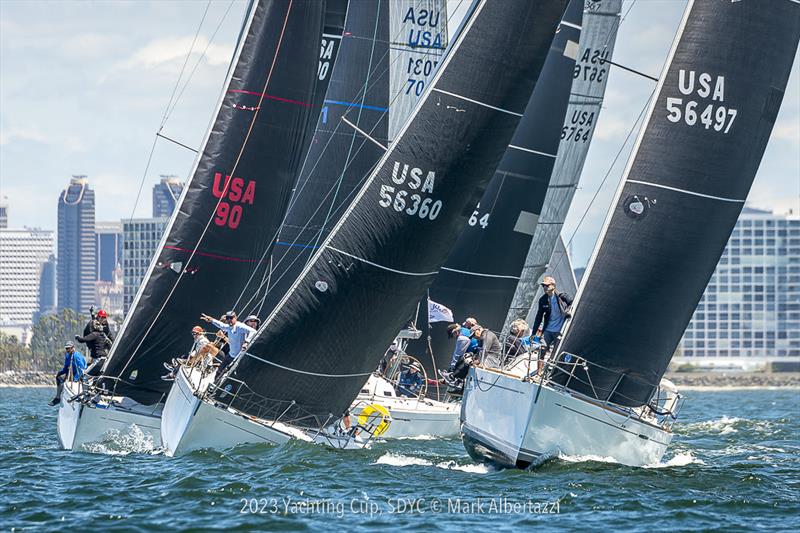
x=694, y=113
x=409, y=194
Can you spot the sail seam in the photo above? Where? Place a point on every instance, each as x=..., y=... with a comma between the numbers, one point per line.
x=381, y=266
x=734, y=200
x=477, y=102
x=515, y=147
x=481, y=274
x=307, y=372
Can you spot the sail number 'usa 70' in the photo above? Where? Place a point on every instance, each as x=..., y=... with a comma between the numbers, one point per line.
x=413, y=202
x=692, y=112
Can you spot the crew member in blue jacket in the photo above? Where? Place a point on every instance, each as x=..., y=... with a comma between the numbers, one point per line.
x=410, y=381
x=74, y=366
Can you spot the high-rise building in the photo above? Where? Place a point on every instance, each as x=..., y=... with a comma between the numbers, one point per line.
x=751, y=306
x=76, y=246
x=165, y=196
x=47, y=289
x=3, y=215
x=109, y=294
x=109, y=249
x=22, y=254
x=141, y=237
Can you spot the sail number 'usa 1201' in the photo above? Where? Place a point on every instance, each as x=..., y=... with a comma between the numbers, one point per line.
x=691, y=111
x=413, y=202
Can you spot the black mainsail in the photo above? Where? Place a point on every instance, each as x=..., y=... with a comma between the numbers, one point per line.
x=481, y=274
x=235, y=200
x=328, y=333
x=683, y=189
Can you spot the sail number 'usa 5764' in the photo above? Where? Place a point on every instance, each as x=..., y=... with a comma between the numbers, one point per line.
x=694, y=113
x=410, y=195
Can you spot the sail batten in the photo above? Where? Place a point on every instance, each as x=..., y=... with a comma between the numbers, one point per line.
x=683, y=189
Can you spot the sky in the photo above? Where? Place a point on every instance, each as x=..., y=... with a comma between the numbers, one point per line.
x=84, y=87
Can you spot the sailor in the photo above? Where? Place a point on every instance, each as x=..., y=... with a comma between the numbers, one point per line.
x=552, y=312
x=253, y=321
x=74, y=365
x=463, y=341
x=239, y=335
x=490, y=349
x=102, y=317
x=197, y=350
x=515, y=343
x=98, y=344
x=466, y=328
x=410, y=381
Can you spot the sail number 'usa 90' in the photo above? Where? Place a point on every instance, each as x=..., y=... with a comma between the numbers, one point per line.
x=694, y=113
x=410, y=195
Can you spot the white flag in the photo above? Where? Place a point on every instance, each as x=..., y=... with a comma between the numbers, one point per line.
x=438, y=312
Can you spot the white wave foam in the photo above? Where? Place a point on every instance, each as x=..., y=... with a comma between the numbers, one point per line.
x=395, y=459
x=679, y=459
x=723, y=426
x=133, y=441
x=586, y=458
x=418, y=437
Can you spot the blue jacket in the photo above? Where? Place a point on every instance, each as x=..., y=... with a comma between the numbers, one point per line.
x=78, y=364
x=409, y=384
x=473, y=342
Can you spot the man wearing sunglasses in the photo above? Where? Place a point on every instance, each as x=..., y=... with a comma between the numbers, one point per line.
x=238, y=334
x=552, y=312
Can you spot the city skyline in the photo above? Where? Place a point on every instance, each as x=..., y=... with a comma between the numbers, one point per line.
x=105, y=129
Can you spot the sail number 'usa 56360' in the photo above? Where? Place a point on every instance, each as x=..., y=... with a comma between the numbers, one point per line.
x=694, y=113
x=409, y=192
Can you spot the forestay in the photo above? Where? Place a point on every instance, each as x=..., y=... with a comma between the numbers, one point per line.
x=683, y=189
x=328, y=333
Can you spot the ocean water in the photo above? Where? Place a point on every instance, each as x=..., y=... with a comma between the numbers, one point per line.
x=734, y=465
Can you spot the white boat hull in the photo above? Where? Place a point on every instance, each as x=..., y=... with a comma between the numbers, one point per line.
x=190, y=423
x=411, y=417
x=82, y=424
x=515, y=423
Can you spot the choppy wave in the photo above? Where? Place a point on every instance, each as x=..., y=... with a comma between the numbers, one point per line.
x=117, y=443
x=679, y=459
x=395, y=459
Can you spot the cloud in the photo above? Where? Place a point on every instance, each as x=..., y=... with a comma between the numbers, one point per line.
x=169, y=50
x=787, y=130
x=24, y=133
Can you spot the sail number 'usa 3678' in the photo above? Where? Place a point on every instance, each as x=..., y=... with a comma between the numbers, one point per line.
x=410, y=191
x=694, y=113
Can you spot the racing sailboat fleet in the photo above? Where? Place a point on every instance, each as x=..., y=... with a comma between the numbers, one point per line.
x=367, y=157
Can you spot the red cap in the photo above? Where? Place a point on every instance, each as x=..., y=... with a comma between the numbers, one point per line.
x=102, y=314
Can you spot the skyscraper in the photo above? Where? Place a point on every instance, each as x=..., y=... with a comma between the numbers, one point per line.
x=3, y=214
x=751, y=306
x=109, y=249
x=140, y=242
x=77, y=245
x=47, y=289
x=165, y=196
x=22, y=254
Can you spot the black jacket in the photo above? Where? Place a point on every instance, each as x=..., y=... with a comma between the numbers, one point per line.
x=543, y=313
x=96, y=342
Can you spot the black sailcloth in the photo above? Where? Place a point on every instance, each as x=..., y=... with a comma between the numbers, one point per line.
x=482, y=272
x=339, y=158
x=683, y=190
x=329, y=332
x=236, y=198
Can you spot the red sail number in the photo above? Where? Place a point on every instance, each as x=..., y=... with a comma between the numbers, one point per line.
x=235, y=190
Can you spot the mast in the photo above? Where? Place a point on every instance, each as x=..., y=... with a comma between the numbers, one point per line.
x=483, y=269
x=683, y=189
x=232, y=205
x=328, y=333
x=600, y=24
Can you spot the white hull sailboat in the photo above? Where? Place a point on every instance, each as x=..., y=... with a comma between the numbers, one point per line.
x=192, y=421
x=411, y=417
x=83, y=421
x=517, y=422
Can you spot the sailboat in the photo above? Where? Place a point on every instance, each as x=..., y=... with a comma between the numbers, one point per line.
x=684, y=186
x=326, y=335
x=484, y=270
x=224, y=223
